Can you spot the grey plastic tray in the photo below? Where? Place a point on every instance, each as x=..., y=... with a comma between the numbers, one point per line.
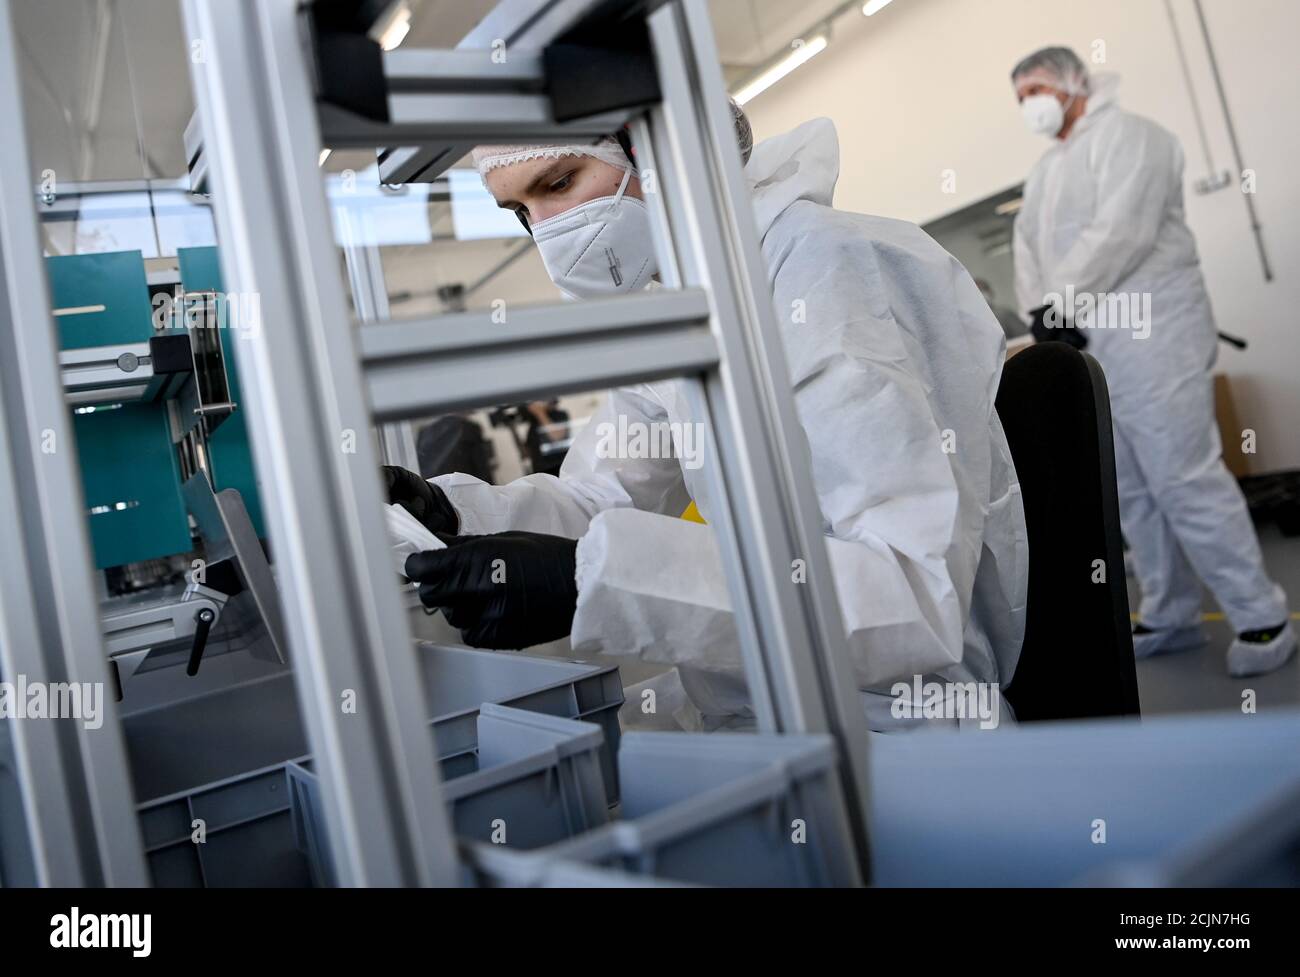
x=220, y=757
x=537, y=780
x=724, y=809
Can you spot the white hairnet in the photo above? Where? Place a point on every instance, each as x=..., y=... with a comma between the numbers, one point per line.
x=1058, y=64
x=608, y=150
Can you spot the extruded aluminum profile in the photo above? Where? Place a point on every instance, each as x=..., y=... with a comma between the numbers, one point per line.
x=75, y=781
x=470, y=359
x=348, y=633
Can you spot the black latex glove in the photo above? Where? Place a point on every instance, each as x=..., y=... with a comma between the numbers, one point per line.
x=1063, y=331
x=421, y=499
x=504, y=590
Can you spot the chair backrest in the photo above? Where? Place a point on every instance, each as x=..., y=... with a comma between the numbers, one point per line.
x=1077, y=657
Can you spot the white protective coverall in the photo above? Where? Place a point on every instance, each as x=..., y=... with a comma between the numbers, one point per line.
x=895, y=361
x=1103, y=212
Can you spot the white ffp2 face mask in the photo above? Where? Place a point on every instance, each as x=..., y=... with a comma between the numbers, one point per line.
x=601, y=247
x=1043, y=114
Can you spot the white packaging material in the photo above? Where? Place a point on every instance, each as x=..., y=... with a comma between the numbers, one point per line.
x=408, y=535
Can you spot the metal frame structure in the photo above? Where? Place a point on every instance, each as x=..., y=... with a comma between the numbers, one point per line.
x=262, y=132
x=315, y=381
x=75, y=782
x=357, y=679
x=370, y=300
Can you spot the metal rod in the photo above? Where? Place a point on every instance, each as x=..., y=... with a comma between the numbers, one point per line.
x=1255, y=226
x=365, y=267
x=1211, y=170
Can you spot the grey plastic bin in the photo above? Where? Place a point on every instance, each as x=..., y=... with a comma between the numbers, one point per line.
x=537, y=779
x=221, y=757
x=724, y=809
x=458, y=680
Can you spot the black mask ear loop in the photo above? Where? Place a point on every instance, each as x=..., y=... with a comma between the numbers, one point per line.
x=625, y=141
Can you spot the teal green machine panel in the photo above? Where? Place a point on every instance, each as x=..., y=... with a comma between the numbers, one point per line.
x=229, y=451
x=100, y=299
x=129, y=470
x=132, y=483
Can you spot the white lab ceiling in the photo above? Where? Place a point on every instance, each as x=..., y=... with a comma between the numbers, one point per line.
x=751, y=33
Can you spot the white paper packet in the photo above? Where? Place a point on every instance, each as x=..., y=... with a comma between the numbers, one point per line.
x=408, y=535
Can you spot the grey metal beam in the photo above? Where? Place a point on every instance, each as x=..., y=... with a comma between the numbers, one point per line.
x=365, y=267
x=482, y=379
x=459, y=71
x=527, y=23
x=96, y=374
x=351, y=649
x=472, y=359
x=516, y=27
x=75, y=781
x=535, y=324
x=466, y=120
x=772, y=518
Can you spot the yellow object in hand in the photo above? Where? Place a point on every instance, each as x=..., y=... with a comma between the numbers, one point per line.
x=692, y=514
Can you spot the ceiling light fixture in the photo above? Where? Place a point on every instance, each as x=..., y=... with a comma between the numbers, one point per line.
x=392, y=29
x=802, y=51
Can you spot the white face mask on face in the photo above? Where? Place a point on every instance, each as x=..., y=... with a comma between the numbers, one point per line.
x=1043, y=114
x=601, y=247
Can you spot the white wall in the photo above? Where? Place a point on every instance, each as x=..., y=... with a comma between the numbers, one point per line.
x=923, y=87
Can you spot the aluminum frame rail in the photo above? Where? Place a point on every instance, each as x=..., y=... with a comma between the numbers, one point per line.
x=522, y=28
x=800, y=646
x=354, y=668
x=74, y=781
x=464, y=360
x=370, y=300
x=714, y=326
x=801, y=680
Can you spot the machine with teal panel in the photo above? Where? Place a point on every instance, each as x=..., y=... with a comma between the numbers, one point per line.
x=129, y=467
x=229, y=452
x=171, y=493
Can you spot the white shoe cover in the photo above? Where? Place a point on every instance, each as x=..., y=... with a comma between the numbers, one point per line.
x=1256, y=658
x=1166, y=640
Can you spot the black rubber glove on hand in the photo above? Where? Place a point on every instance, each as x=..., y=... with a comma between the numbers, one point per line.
x=504, y=590
x=1062, y=330
x=421, y=499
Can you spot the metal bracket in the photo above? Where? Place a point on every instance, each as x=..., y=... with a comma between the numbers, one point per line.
x=228, y=533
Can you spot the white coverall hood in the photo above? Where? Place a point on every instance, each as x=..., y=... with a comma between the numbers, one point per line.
x=802, y=164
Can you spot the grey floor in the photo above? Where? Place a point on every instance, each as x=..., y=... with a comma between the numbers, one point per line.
x=1198, y=681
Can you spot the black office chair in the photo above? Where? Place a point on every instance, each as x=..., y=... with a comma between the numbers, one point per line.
x=1077, y=657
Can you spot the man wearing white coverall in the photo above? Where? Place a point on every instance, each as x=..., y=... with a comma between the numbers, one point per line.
x=1103, y=217
x=897, y=356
